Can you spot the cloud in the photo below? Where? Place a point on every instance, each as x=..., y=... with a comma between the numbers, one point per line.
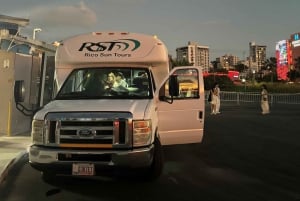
x=66, y=16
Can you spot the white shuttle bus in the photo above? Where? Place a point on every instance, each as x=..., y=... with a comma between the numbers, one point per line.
x=118, y=102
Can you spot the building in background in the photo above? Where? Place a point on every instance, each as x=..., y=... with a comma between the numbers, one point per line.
x=227, y=61
x=9, y=29
x=257, y=56
x=195, y=54
x=295, y=45
x=11, y=39
x=28, y=62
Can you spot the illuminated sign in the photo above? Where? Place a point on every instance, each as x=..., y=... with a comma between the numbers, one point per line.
x=283, y=52
x=296, y=43
x=281, y=48
x=296, y=40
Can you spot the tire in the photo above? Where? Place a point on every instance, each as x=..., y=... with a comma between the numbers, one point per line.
x=156, y=168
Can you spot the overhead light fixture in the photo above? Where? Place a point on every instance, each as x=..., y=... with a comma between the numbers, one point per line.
x=34, y=31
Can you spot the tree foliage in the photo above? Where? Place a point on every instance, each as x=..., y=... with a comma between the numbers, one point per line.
x=182, y=62
x=270, y=64
x=294, y=72
x=297, y=64
x=241, y=67
x=224, y=82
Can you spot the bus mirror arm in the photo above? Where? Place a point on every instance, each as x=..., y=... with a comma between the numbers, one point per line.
x=24, y=110
x=19, y=96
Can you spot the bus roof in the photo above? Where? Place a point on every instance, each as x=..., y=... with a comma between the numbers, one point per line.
x=111, y=48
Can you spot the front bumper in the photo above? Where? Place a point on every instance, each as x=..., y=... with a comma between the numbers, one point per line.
x=61, y=160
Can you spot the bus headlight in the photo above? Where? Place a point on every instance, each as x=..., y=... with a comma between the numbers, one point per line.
x=37, y=132
x=142, y=130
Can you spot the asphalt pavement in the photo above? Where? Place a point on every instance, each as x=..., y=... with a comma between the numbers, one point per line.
x=15, y=146
x=12, y=148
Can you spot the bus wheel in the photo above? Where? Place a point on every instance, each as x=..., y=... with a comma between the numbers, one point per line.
x=156, y=168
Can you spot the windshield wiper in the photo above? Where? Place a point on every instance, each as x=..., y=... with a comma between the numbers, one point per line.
x=73, y=95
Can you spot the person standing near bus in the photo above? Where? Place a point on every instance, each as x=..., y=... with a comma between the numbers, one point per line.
x=264, y=100
x=218, y=100
x=213, y=100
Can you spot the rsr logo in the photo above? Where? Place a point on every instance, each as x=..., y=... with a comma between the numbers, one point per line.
x=120, y=45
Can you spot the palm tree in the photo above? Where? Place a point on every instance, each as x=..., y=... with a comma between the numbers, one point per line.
x=294, y=72
x=271, y=64
x=241, y=67
x=270, y=69
x=297, y=64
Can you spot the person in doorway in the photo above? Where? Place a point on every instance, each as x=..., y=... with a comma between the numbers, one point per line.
x=264, y=100
x=213, y=101
x=218, y=100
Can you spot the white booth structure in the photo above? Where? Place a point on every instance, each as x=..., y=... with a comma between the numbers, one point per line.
x=24, y=61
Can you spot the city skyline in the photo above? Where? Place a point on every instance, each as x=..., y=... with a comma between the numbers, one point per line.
x=226, y=27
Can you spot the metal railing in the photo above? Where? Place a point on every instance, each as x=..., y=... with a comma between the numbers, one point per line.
x=252, y=97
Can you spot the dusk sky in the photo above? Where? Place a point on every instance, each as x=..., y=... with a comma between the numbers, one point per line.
x=225, y=26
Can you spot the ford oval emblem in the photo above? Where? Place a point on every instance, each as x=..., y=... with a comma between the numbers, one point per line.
x=85, y=133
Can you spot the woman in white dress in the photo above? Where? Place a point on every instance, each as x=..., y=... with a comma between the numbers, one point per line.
x=214, y=99
x=264, y=100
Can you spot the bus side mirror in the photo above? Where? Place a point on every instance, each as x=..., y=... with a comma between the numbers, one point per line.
x=173, y=86
x=19, y=91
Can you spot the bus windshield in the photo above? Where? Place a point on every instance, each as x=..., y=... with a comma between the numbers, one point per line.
x=108, y=82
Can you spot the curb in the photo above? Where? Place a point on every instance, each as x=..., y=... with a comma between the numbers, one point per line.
x=9, y=165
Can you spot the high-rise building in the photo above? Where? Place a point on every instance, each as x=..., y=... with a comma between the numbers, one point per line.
x=228, y=61
x=194, y=54
x=295, y=46
x=257, y=56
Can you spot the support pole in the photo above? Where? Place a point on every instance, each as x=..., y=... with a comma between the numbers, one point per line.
x=9, y=119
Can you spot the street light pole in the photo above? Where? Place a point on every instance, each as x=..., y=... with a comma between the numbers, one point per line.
x=34, y=31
